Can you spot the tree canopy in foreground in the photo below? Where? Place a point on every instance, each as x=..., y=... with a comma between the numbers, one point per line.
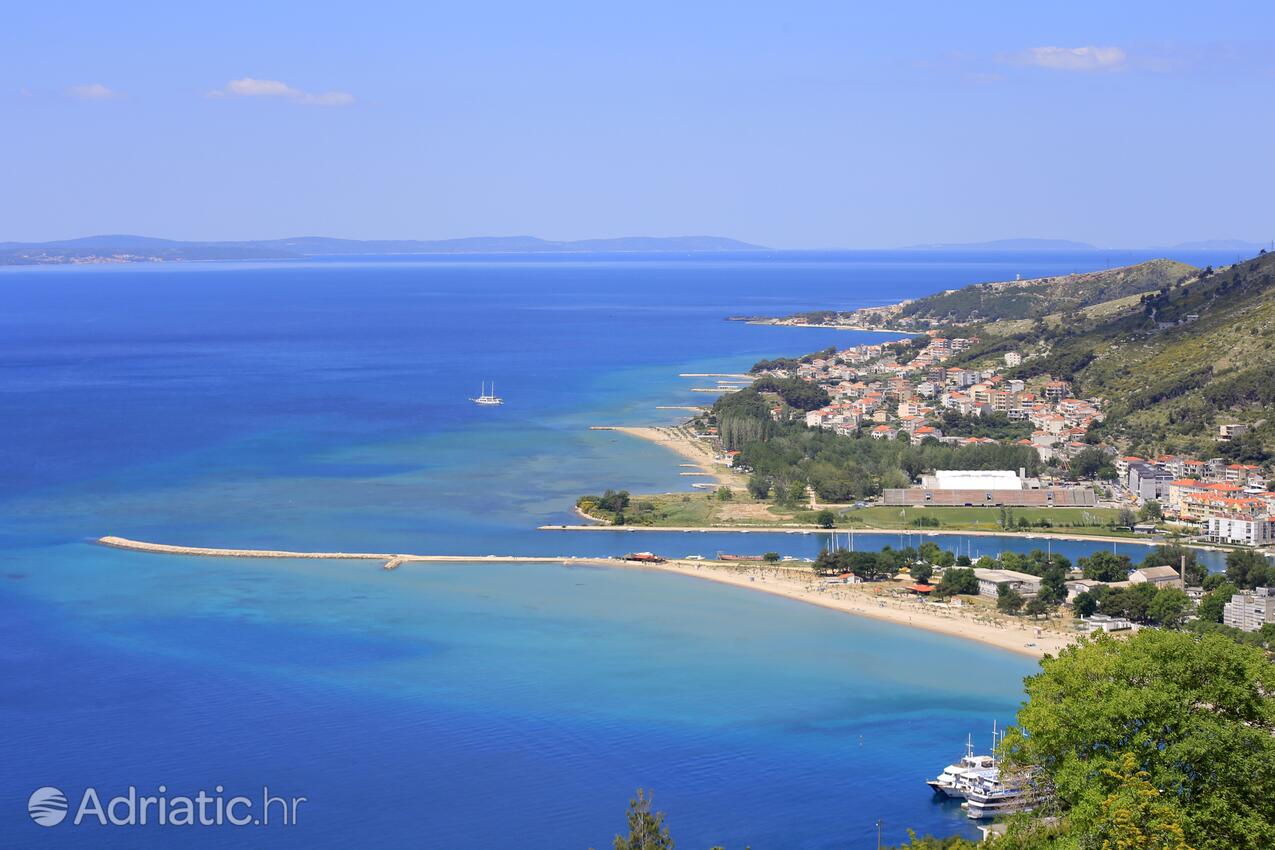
x=1164, y=734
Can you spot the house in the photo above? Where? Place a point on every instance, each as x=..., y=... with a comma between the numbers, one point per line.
x=883, y=432
x=1159, y=576
x=1056, y=390
x=989, y=582
x=1077, y=586
x=1229, y=431
x=1013, y=358
x=1105, y=623
x=1250, y=610
x=924, y=431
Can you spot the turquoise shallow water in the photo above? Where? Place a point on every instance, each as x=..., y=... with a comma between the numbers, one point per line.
x=323, y=406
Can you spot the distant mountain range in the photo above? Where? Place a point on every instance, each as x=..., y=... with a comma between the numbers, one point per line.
x=126, y=249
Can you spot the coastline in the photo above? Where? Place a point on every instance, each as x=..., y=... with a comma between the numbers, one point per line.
x=677, y=440
x=810, y=529
x=861, y=328
x=874, y=604
x=795, y=583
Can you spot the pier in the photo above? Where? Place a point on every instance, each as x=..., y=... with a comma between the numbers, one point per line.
x=390, y=560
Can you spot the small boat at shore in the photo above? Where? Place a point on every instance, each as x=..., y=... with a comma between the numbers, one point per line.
x=486, y=398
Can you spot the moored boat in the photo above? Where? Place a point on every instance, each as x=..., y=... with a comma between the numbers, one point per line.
x=949, y=782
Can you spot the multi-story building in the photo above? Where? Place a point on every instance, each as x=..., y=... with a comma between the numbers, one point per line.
x=1250, y=610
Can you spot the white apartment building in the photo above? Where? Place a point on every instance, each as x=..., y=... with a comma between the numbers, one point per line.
x=1250, y=610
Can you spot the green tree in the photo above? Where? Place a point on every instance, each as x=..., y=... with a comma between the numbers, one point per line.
x=922, y=572
x=646, y=828
x=758, y=486
x=1008, y=600
x=825, y=519
x=1037, y=607
x=1090, y=463
x=1053, y=585
x=1085, y=604
x=1196, y=713
x=1212, y=606
x=958, y=580
x=1248, y=568
x=1151, y=511
x=724, y=494
x=1105, y=566
x=771, y=557
x=1169, y=607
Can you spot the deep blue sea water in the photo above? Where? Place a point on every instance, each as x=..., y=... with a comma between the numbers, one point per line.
x=323, y=406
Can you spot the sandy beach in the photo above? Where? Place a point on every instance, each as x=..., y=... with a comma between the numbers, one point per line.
x=678, y=439
x=875, y=601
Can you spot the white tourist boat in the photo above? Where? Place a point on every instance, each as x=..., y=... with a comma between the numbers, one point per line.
x=486, y=398
x=955, y=777
x=979, y=782
x=989, y=795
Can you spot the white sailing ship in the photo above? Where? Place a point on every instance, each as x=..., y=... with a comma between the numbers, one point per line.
x=486, y=398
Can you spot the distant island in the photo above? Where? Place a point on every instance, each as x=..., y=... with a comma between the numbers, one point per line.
x=145, y=249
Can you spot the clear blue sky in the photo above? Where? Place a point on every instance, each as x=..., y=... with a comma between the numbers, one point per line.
x=790, y=124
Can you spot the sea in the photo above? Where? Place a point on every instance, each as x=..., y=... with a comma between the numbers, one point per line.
x=324, y=405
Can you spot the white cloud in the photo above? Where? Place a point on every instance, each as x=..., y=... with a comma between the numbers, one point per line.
x=1071, y=58
x=91, y=91
x=250, y=87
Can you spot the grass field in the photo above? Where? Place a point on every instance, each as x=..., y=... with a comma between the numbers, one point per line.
x=705, y=509
x=1084, y=520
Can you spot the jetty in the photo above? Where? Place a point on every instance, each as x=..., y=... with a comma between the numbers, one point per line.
x=390, y=560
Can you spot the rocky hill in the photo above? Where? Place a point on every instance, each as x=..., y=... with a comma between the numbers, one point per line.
x=1174, y=363
x=1039, y=297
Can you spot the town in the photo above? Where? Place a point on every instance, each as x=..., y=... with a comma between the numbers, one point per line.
x=903, y=390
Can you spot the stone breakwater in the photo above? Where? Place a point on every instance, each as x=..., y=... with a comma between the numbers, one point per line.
x=391, y=560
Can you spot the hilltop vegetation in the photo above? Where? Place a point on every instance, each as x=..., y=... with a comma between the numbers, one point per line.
x=1037, y=298
x=1174, y=363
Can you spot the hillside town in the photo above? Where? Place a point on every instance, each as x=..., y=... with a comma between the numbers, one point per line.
x=904, y=390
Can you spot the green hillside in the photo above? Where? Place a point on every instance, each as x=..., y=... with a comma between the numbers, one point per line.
x=1030, y=299
x=1173, y=364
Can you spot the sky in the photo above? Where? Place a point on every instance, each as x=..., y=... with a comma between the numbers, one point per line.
x=791, y=125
